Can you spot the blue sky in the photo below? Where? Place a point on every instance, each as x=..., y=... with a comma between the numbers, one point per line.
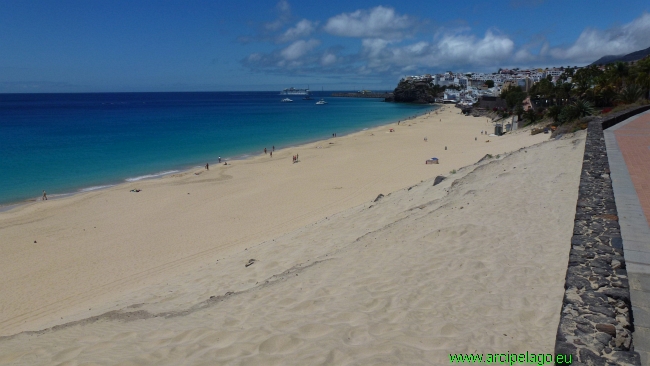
x=115, y=46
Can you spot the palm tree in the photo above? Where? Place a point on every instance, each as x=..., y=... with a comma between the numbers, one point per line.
x=643, y=81
x=519, y=110
x=582, y=108
x=531, y=115
x=618, y=72
x=630, y=94
x=605, y=95
x=563, y=93
x=554, y=112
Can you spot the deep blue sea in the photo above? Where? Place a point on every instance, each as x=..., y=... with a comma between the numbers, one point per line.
x=65, y=143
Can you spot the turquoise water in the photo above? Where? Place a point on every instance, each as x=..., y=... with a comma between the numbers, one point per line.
x=64, y=143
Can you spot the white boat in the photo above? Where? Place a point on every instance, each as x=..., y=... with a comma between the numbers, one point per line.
x=286, y=100
x=321, y=102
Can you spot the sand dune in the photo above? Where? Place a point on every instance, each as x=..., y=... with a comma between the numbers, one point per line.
x=474, y=264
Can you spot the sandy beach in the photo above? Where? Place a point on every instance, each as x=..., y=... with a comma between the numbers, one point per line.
x=265, y=261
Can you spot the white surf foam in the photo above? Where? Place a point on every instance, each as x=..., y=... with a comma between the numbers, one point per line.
x=148, y=176
x=95, y=188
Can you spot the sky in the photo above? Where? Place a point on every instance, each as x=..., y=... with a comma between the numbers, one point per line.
x=74, y=46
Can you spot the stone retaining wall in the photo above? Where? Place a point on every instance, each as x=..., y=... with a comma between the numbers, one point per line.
x=596, y=322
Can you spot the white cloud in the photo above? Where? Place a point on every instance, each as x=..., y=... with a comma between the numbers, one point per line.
x=374, y=23
x=384, y=48
x=373, y=47
x=523, y=55
x=284, y=13
x=303, y=28
x=254, y=57
x=467, y=49
x=328, y=59
x=593, y=43
x=298, y=49
x=283, y=7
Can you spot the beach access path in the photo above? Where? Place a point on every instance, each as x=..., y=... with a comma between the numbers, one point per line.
x=628, y=150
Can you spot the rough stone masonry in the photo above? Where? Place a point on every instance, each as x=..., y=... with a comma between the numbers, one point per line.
x=596, y=323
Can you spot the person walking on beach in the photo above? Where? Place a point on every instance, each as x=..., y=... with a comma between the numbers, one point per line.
x=264, y=150
x=271, y=153
x=207, y=166
x=220, y=159
x=44, y=198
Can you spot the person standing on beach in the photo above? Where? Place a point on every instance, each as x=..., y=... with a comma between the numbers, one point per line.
x=207, y=166
x=264, y=150
x=44, y=198
x=220, y=159
x=271, y=153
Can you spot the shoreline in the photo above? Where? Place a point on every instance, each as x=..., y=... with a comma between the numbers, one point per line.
x=408, y=279
x=73, y=258
x=5, y=207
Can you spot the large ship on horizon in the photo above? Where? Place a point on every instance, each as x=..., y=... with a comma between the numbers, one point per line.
x=294, y=91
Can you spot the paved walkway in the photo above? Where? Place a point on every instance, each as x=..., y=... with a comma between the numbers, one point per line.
x=628, y=150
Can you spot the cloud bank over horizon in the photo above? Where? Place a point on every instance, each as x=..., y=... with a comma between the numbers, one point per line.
x=386, y=42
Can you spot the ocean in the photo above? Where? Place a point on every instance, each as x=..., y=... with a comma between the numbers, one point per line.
x=66, y=143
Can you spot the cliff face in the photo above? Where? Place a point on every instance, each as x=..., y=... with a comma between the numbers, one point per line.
x=407, y=92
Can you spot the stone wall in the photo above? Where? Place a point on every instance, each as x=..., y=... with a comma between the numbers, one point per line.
x=596, y=322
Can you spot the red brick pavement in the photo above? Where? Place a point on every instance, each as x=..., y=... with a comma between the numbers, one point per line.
x=634, y=142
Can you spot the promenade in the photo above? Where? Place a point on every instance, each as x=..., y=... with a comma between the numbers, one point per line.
x=628, y=150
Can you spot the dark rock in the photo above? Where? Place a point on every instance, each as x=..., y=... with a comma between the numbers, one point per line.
x=590, y=358
x=586, y=329
x=565, y=348
x=603, y=338
x=380, y=196
x=618, y=294
x=601, y=271
x=600, y=263
x=576, y=281
x=594, y=299
x=413, y=92
x=603, y=310
x=598, y=318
